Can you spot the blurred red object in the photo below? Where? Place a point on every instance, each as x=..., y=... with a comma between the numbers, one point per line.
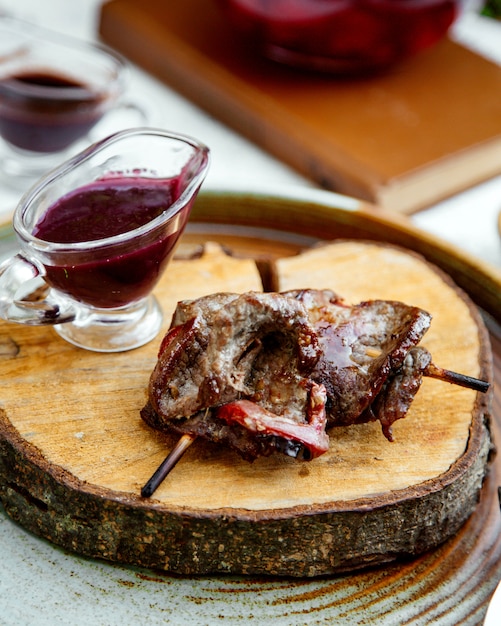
x=341, y=36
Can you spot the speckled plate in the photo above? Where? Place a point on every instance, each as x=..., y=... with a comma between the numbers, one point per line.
x=41, y=584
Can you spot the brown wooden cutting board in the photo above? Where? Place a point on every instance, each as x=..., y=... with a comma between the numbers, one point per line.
x=427, y=129
x=74, y=452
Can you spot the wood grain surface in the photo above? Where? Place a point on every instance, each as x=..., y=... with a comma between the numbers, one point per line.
x=75, y=452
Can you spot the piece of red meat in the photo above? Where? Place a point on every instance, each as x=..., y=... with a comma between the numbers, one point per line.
x=369, y=364
x=225, y=349
x=267, y=372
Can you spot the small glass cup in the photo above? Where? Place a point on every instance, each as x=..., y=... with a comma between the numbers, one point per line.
x=97, y=233
x=53, y=90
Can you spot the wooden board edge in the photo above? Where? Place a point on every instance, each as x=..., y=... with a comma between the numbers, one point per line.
x=39, y=501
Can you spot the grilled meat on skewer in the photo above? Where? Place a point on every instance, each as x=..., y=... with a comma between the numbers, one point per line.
x=270, y=372
x=232, y=364
x=369, y=363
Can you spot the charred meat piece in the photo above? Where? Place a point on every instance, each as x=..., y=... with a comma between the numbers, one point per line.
x=234, y=369
x=369, y=364
x=267, y=372
x=264, y=373
x=397, y=393
x=253, y=431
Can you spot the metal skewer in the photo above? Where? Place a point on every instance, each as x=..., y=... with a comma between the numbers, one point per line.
x=167, y=465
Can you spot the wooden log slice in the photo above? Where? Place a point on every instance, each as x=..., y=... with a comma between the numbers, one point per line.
x=74, y=452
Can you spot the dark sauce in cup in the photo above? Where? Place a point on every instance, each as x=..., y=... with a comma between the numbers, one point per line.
x=46, y=112
x=106, y=208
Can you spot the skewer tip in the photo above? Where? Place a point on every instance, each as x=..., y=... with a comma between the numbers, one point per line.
x=457, y=379
x=167, y=465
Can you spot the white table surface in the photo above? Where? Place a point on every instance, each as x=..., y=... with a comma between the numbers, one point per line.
x=43, y=585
